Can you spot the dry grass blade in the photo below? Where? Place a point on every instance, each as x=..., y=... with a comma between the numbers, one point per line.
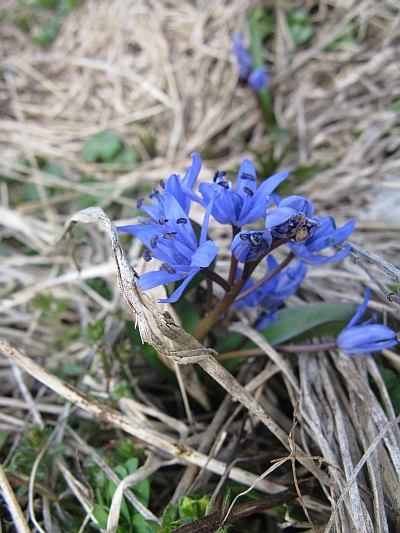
x=153, y=439
x=13, y=506
x=336, y=104
x=152, y=464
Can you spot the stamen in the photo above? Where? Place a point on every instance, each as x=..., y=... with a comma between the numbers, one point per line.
x=168, y=268
x=153, y=241
x=248, y=191
x=181, y=221
x=147, y=256
x=162, y=184
x=162, y=220
x=170, y=236
x=245, y=176
x=139, y=203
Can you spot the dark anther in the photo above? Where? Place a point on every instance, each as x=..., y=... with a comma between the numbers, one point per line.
x=219, y=175
x=147, y=256
x=224, y=184
x=162, y=184
x=153, y=241
x=181, y=221
x=162, y=220
x=168, y=268
x=245, y=176
x=140, y=203
x=248, y=191
x=170, y=236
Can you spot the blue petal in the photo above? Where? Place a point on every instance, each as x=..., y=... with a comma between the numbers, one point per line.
x=312, y=259
x=267, y=187
x=204, y=255
x=366, y=339
x=152, y=279
x=257, y=211
x=246, y=177
x=328, y=235
x=258, y=79
x=300, y=204
x=249, y=245
x=360, y=309
x=242, y=55
x=178, y=292
x=192, y=173
x=278, y=216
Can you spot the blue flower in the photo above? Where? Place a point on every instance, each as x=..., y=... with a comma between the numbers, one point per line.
x=292, y=219
x=270, y=296
x=243, y=56
x=367, y=337
x=257, y=78
x=249, y=245
x=326, y=236
x=172, y=241
x=245, y=205
x=181, y=189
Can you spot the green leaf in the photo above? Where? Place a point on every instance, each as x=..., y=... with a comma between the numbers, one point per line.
x=139, y=523
x=392, y=383
x=302, y=322
x=142, y=491
x=132, y=465
x=3, y=437
x=103, y=146
x=294, y=321
x=300, y=26
x=128, y=157
x=169, y=515
x=193, y=506
x=100, y=515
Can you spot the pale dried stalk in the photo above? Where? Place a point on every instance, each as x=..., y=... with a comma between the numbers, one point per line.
x=13, y=506
x=152, y=438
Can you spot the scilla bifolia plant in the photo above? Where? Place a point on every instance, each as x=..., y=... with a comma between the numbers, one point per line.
x=178, y=254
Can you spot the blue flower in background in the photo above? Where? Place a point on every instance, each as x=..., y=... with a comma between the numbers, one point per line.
x=172, y=241
x=245, y=205
x=326, y=236
x=367, y=337
x=270, y=296
x=243, y=56
x=256, y=78
x=249, y=245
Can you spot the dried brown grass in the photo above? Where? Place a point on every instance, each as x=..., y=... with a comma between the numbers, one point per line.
x=166, y=68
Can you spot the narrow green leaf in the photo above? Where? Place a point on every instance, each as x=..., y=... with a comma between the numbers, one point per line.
x=294, y=321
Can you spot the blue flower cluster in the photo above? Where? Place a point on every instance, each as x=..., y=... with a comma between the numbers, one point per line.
x=256, y=78
x=169, y=237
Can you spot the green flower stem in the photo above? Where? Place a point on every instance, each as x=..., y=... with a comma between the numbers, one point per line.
x=263, y=95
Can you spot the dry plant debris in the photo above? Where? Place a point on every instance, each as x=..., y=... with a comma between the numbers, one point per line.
x=162, y=77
